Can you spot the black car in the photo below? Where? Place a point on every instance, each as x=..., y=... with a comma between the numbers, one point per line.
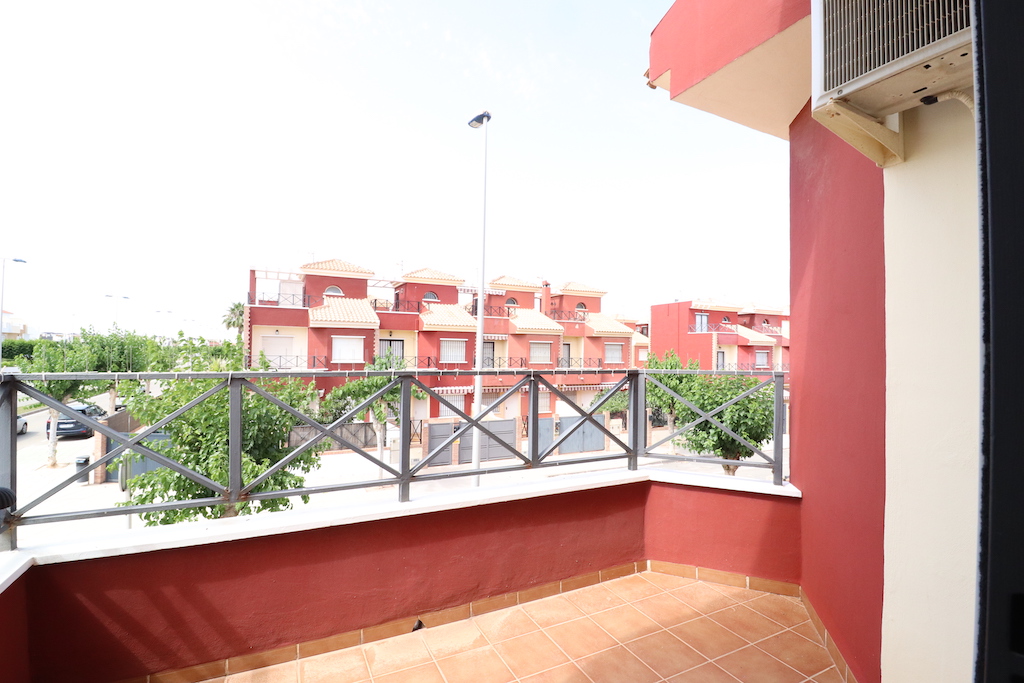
x=68, y=427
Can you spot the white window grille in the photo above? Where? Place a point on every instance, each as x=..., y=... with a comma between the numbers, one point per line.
x=457, y=400
x=540, y=352
x=761, y=359
x=347, y=350
x=453, y=351
x=544, y=402
x=612, y=353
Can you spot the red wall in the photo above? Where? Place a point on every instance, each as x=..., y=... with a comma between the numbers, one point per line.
x=107, y=619
x=733, y=531
x=14, y=645
x=320, y=344
x=838, y=417
x=285, y=317
x=351, y=288
x=414, y=291
x=519, y=347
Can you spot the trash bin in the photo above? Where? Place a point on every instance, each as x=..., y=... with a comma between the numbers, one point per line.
x=81, y=462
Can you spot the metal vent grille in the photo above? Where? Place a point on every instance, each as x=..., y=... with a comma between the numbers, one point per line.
x=862, y=35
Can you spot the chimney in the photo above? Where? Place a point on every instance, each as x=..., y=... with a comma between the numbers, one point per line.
x=545, y=298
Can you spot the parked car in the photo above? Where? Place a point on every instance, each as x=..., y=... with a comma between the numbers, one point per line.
x=22, y=425
x=68, y=427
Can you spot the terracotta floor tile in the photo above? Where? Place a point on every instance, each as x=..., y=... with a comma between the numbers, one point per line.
x=752, y=665
x=625, y=623
x=530, y=654
x=707, y=637
x=341, y=666
x=666, y=609
x=702, y=597
x=287, y=672
x=808, y=631
x=476, y=666
x=617, y=665
x=746, y=623
x=594, y=599
x=566, y=673
x=505, y=624
x=667, y=582
x=665, y=653
x=453, y=638
x=779, y=608
x=806, y=657
x=632, y=587
x=392, y=654
x=706, y=673
x=828, y=676
x=424, y=673
x=580, y=638
x=551, y=611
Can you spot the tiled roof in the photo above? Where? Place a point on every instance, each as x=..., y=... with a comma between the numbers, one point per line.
x=641, y=339
x=532, y=320
x=339, y=311
x=431, y=275
x=509, y=282
x=336, y=266
x=606, y=326
x=447, y=317
x=577, y=288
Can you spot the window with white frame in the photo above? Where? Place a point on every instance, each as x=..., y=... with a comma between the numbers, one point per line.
x=347, y=350
x=641, y=355
x=457, y=400
x=761, y=359
x=333, y=290
x=544, y=402
x=453, y=351
x=540, y=352
x=612, y=353
x=701, y=322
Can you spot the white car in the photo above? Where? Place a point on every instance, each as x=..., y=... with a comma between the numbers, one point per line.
x=22, y=425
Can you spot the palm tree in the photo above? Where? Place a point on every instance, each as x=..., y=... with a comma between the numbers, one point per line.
x=234, y=319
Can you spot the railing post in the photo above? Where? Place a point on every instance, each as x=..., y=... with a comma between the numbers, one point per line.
x=637, y=417
x=533, y=428
x=779, y=427
x=405, y=437
x=234, y=444
x=8, y=452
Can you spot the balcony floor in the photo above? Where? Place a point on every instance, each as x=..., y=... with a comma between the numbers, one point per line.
x=643, y=628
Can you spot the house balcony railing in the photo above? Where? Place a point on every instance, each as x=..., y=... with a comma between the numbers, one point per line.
x=753, y=367
x=576, y=316
x=713, y=327
x=489, y=311
x=288, y=362
x=233, y=488
x=768, y=329
x=284, y=300
x=569, y=362
x=398, y=306
x=510, y=362
x=409, y=362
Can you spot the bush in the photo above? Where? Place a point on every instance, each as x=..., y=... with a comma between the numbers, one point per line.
x=12, y=348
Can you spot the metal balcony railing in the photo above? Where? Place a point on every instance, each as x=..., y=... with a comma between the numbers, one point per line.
x=288, y=300
x=489, y=311
x=237, y=489
x=753, y=367
x=580, y=363
x=409, y=362
x=512, y=362
x=289, y=362
x=577, y=316
x=398, y=306
x=713, y=327
x=768, y=329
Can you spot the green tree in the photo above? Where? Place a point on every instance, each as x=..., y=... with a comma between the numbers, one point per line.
x=116, y=351
x=680, y=384
x=66, y=356
x=198, y=439
x=234, y=319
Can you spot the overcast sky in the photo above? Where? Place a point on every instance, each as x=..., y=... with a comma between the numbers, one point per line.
x=159, y=150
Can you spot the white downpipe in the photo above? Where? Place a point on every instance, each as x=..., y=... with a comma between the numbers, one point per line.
x=478, y=380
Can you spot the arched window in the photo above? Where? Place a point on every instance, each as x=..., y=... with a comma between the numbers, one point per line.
x=725, y=319
x=333, y=289
x=765, y=322
x=430, y=296
x=511, y=301
x=581, y=306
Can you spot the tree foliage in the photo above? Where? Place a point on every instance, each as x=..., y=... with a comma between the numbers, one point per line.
x=71, y=355
x=199, y=438
x=234, y=319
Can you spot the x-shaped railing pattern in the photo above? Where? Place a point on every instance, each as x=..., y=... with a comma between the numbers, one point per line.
x=405, y=471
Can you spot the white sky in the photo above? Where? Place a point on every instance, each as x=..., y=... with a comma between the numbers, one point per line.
x=159, y=150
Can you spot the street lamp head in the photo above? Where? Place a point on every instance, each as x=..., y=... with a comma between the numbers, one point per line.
x=480, y=120
x=19, y=260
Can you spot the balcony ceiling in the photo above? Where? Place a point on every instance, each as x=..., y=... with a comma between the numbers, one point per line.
x=748, y=62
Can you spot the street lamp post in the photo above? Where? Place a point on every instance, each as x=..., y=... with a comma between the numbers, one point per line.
x=3, y=282
x=116, y=302
x=478, y=380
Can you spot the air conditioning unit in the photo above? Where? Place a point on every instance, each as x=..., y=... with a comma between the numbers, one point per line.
x=873, y=59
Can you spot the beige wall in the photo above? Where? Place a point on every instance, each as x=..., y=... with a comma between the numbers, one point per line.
x=932, y=400
x=300, y=346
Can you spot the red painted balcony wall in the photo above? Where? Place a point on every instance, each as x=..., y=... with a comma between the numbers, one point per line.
x=281, y=316
x=14, y=646
x=351, y=287
x=837, y=416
